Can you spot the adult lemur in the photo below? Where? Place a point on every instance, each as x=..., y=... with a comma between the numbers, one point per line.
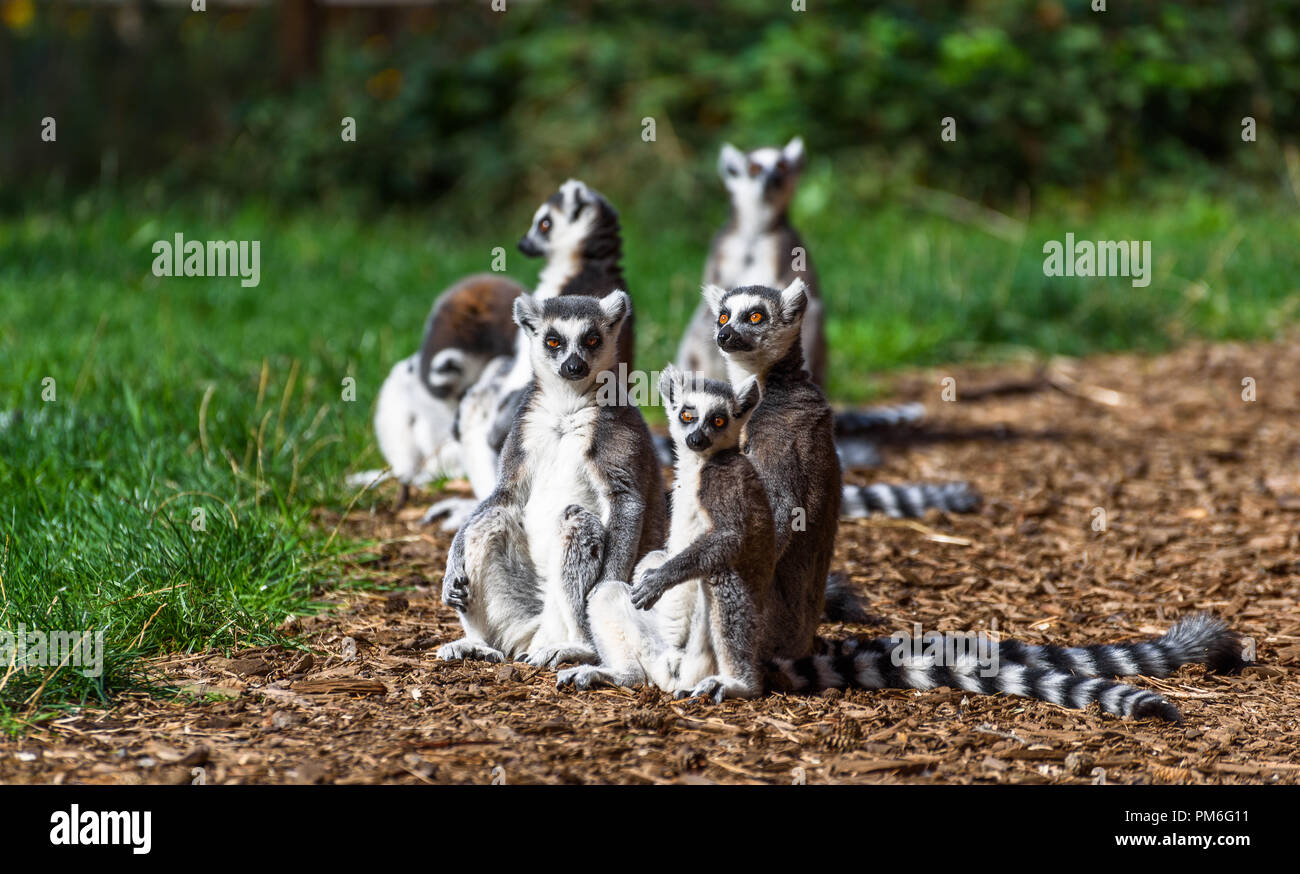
x=578, y=233
x=470, y=325
x=580, y=497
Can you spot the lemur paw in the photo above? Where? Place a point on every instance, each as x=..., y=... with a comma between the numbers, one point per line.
x=456, y=510
x=554, y=656
x=716, y=688
x=455, y=590
x=584, y=677
x=648, y=589
x=469, y=649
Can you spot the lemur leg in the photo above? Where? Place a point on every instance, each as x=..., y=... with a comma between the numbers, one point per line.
x=733, y=633
x=626, y=638
x=498, y=604
x=582, y=556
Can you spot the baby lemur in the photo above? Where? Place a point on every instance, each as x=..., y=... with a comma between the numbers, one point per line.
x=689, y=621
x=577, y=231
x=757, y=246
x=579, y=500
x=470, y=325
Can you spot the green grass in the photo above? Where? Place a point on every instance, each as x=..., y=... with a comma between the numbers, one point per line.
x=175, y=395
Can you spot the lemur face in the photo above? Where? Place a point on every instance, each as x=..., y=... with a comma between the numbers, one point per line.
x=562, y=222
x=755, y=324
x=452, y=372
x=762, y=178
x=704, y=415
x=572, y=339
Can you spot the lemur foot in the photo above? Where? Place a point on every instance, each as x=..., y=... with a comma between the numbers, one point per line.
x=470, y=649
x=554, y=656
x=717, y=688
x=456, y=510
x=585, y=677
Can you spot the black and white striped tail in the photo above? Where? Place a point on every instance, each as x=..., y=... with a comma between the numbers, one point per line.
x=882, y=418
x=1199, y=639
x=908, y=500
x=1019, y=669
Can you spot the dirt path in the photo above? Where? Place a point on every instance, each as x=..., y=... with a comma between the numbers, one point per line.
x=1201, y=493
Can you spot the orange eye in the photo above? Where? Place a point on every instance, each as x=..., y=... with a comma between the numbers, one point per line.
x=592, y=341
x=755, y=318
x=723, y=319
x=719, y=422
x=553, y=343
x=755, y=168
x=544, y=225
x=688, y=417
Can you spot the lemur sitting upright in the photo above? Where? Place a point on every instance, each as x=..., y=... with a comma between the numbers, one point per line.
x=580, y=498
x=758, y=246
x=469, y=325
x=687, y=623
x=577, y=231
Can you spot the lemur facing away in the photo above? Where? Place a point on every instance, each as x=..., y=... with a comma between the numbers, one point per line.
x=578, y=233
x=687, y=623
x=758, y=246
x=580, y=498
x=470, y=325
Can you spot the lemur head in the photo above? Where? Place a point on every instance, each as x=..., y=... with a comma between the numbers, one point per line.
x=705, y=415
x=571, y=339
x=565, y=222
x=762, y=181
x=451, y=373
x=755, y=326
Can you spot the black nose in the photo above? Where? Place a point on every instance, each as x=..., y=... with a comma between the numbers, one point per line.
x=574, y=368
x=440, y=391
x=731, y=340
x=697, y=440
x=528, y=247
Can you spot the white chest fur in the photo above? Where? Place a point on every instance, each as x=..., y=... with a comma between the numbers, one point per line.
x=557, y=437
x=746, y=258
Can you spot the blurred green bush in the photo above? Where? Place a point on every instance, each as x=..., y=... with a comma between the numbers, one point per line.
x=480, y=110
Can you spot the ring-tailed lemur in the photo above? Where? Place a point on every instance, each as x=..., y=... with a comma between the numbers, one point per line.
x=687, y=621
x=577, y=231
x=758, y=246
x=580, y=497
x=469, y=325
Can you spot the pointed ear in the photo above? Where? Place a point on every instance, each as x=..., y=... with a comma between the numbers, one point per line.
x=714, y=295
x=731, y=161
x=794, y=300
x=793, y=153
x=576, y=195
x=747, y=397
x=615, y=306
x=670, y=385
x=528, y=312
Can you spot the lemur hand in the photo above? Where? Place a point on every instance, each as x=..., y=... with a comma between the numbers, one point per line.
x=455, y=583
x=648, y=587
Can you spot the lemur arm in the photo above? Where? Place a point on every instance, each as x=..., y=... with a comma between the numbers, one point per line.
x=710, y=554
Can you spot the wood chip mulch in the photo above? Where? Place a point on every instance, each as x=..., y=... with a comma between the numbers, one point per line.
x=1201, y=496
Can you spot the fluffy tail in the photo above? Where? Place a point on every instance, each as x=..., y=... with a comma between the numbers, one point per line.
x=1199, y=639
x=909, y=500
x=1015, y=668
x=882, y=418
